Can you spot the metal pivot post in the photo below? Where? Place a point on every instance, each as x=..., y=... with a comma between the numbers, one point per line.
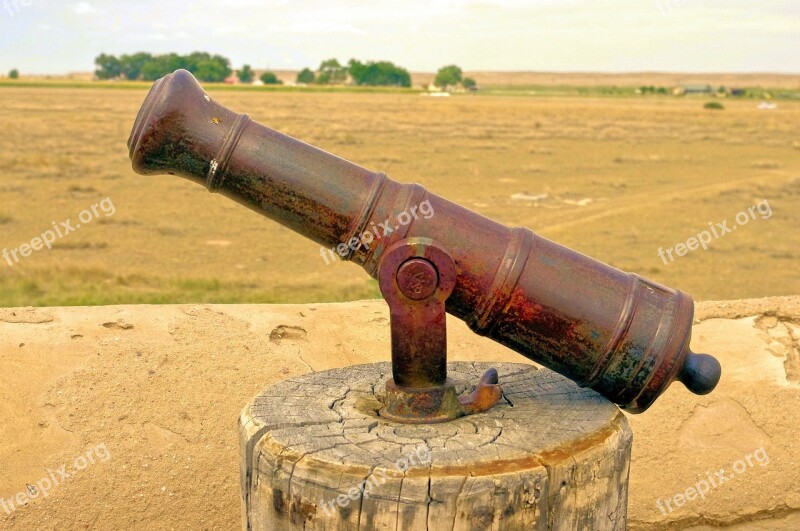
x=416, y=276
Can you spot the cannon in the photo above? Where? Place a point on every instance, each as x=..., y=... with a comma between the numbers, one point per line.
x=618, y=333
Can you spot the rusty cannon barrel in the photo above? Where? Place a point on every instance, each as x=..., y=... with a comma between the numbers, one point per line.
x=620, y=334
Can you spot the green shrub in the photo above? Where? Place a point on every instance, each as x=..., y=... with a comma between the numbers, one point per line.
x=448, y=76
x=380, y=73
x=269, y=78
x=306, y=75
x=148, y=67
x=245, y=74
x=714, y=105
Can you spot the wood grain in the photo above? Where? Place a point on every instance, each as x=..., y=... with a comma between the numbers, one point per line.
x=317, y=455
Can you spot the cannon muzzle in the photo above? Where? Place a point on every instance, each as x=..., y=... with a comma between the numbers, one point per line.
x=618, y=333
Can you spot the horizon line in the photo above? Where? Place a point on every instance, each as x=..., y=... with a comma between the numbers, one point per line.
x=509, y=71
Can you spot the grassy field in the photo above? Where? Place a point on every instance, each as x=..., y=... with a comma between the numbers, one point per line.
x=615, y=178
x=775, y=87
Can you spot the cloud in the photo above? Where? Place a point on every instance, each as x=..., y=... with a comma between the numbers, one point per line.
x=230, y=30
x=318, y=27
x=631, y=35
x=83, y=8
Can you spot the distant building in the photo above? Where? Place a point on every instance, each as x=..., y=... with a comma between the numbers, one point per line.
x=693, y=88
x=232, y=79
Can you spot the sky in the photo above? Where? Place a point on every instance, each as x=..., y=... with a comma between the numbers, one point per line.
x=48, y=37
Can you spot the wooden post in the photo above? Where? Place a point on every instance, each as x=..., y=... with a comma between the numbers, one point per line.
x=316, y=455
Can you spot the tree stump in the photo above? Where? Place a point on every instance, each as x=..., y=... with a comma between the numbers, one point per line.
x=315, y=454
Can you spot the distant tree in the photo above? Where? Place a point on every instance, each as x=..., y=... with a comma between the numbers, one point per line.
x=13, y=73
x=469, y=83
x=195, y=59
x=161, y=65
x=153, y=70
x=143, y=65
x=381, y=73
x=306, y=75
x=269, y=78
x=215, y=69
x=245, y=74
x=108, y=67
x=448, y=76
x=357, y=70
x=132, y=64
x=330, y=72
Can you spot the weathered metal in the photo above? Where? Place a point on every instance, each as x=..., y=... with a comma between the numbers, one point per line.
x=416, y=277
x=440, y=403
x=618, y=333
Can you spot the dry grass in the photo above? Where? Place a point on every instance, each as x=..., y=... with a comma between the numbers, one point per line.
x=656, y=171
x=633, y=79
x=527, y=78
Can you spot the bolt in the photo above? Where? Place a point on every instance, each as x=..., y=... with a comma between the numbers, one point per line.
x=417, y=279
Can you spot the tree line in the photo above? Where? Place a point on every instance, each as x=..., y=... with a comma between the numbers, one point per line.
x=371, y=73
x=378, y=73
x=216, y=68
x=148, y=67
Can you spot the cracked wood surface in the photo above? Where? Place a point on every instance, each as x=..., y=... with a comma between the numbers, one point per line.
x=316, y=455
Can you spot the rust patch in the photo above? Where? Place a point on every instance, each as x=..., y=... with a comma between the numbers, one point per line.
x=300, y=510
x=541, y=459
x=579, y=445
